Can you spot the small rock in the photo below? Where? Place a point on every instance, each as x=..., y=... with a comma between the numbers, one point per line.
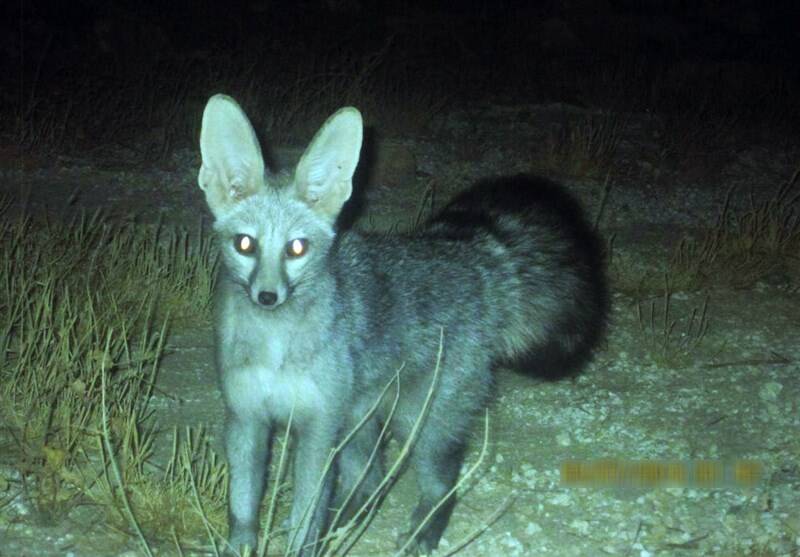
x=770, y=391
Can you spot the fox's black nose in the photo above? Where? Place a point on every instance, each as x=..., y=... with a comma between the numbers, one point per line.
x=267, y=298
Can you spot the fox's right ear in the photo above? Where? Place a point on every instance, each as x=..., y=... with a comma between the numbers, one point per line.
x=233, y=167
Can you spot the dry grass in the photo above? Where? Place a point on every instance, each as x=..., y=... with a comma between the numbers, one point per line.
x=672, y=342
x=151, y=105
x=83, y=318
x=184, y=501
x=696, y=141
x=759, y=242
x=581, y=148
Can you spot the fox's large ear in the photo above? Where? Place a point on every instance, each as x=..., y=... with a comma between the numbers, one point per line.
x=324, y=175
x=233, y=167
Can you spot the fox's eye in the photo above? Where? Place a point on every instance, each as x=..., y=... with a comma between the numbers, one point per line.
x=296, y=247
x=244, y=244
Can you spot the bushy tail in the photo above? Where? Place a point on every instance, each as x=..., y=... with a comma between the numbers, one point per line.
x=547, y=289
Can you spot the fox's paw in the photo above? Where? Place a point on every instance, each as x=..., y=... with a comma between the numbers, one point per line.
x=241, y=544
x=419, y=546
x=347, y=511
x=245, y=550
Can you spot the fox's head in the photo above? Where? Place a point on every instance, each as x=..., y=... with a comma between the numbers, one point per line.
x=275, y=234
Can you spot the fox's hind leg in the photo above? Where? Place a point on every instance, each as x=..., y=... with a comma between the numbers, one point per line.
x=437, y=468
x=438, y=453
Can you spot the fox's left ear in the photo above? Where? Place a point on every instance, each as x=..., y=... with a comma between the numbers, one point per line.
x=324, y=175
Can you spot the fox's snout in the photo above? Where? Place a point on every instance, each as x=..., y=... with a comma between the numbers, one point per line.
x=268, y=298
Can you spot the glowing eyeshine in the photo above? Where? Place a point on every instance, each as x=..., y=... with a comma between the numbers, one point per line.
x=244, y=244
x=297, y=247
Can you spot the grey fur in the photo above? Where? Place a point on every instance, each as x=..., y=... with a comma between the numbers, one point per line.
x=508, y=270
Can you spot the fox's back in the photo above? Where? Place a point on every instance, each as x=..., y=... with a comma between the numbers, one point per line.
x=519, y=282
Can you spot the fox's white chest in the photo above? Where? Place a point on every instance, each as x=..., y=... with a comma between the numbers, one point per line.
x=262, y=391
x=267, y=379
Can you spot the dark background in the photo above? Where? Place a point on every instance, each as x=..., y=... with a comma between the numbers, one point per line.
x=86, y=75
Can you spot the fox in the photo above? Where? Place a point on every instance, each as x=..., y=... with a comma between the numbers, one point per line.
x=312, y=322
